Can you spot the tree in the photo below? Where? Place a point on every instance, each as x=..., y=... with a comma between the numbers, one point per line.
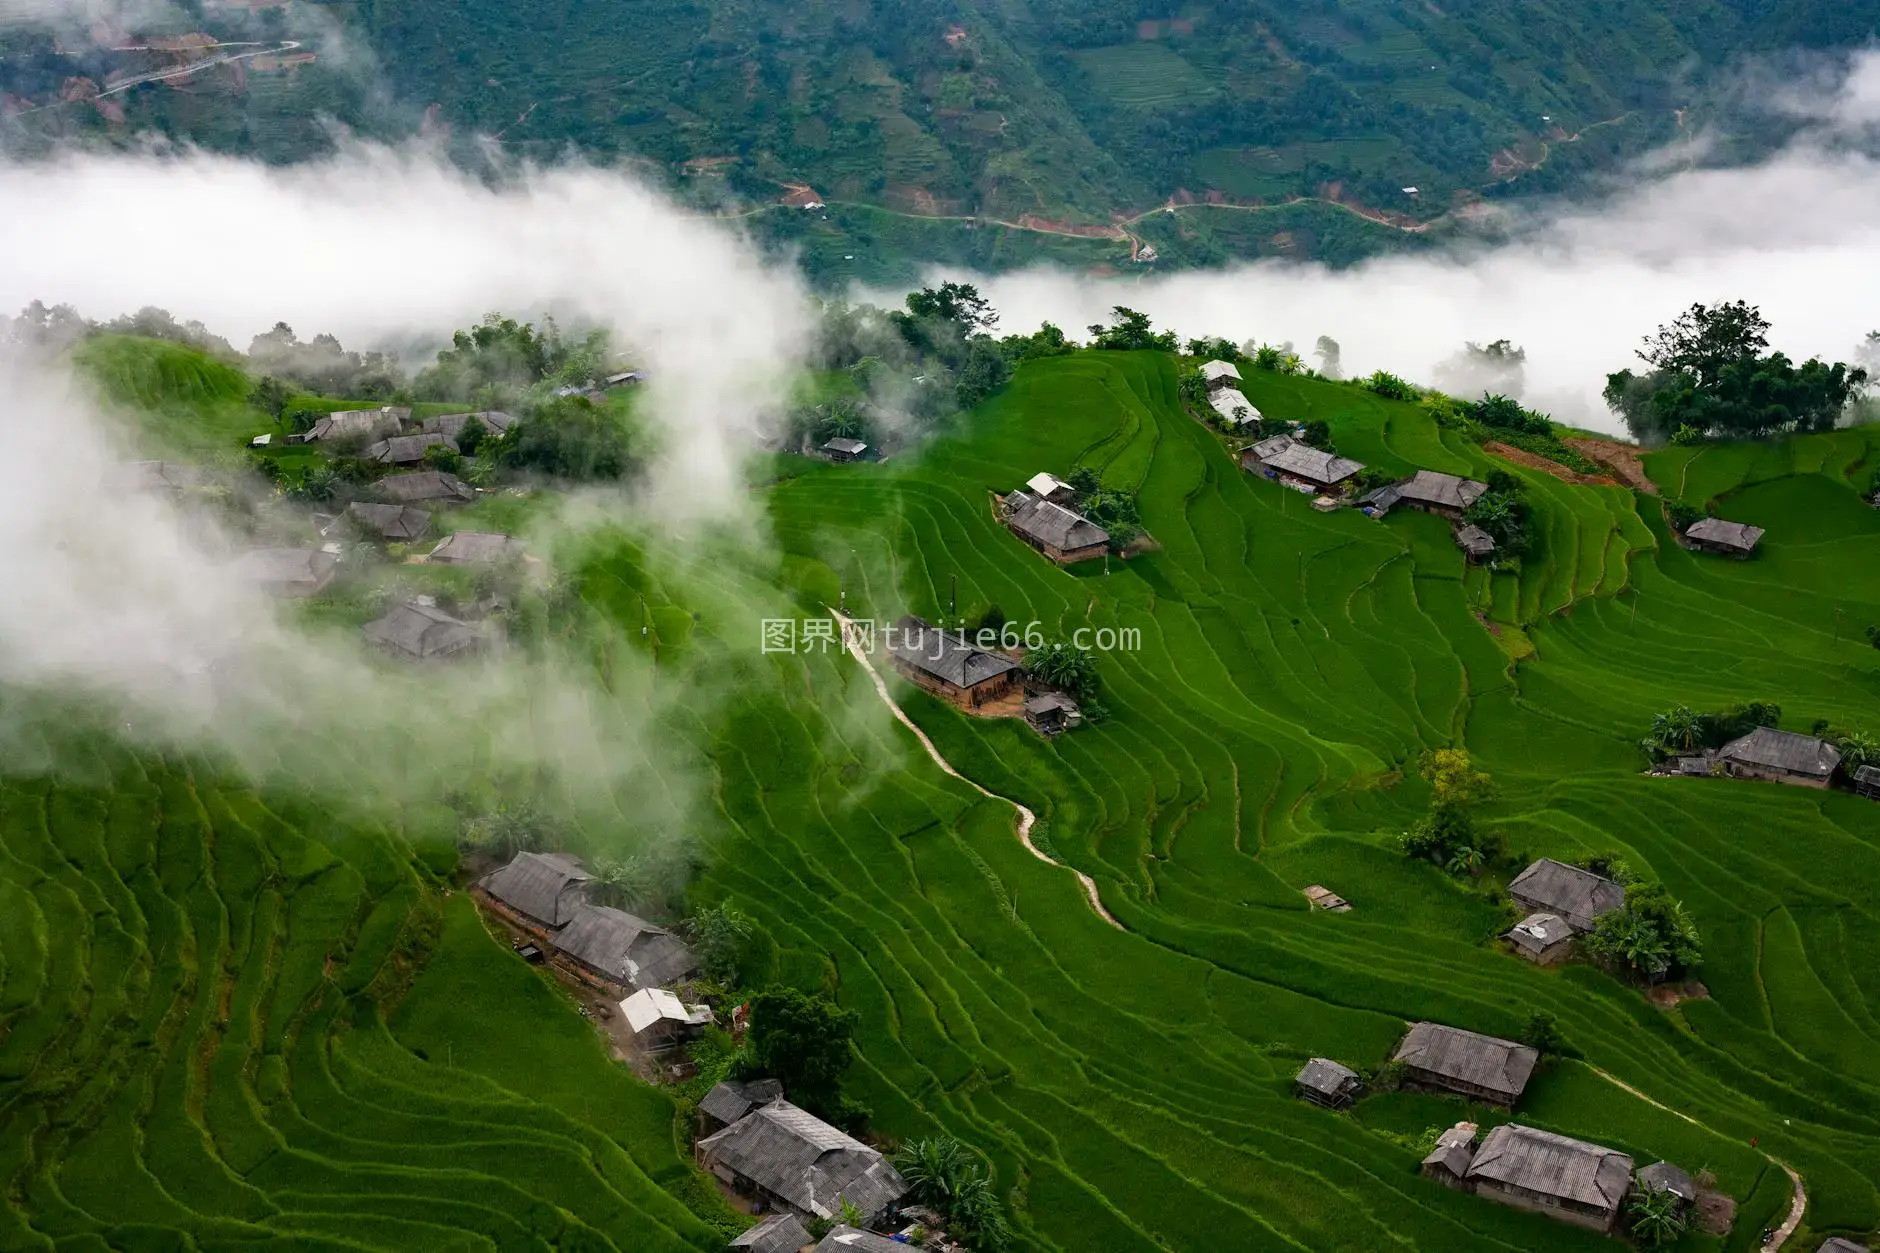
x=805, y=1041
x=1318, y=433
x=1130, y=329
x=1389, y=386
x=946, y=1177
x=958, y=303
x=1062, y=664
x=269, y=395
x=1706, y=339
x=1650, y=936
x=718, y=934
x=1675, y=730
x=1465, y=860
x=1858, y=748
x=524, y=827
x=1453, y=777
x=1657, y=1217
x=471, y=436
x=1542, y=1031
x=1327, y=351
x=572, y=438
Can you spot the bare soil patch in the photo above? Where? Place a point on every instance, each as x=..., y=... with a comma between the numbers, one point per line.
x=1534, y=461
x=1622, y=459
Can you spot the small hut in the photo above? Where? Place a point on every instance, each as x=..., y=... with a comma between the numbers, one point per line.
x=1542, y=938
x=1052, y=713
x=1325, y=1082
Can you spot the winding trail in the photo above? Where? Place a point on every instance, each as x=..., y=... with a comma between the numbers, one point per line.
x=1798, y=1204
x=185, y=70
x=1025, y=817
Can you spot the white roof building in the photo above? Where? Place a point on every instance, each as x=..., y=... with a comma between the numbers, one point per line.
x=1234, y=407
x=1045, y=486
x=650, y=1006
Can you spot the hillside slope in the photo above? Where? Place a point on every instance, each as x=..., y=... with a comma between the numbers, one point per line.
x=225, y=1014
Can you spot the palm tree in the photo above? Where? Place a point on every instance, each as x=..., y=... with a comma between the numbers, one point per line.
x=1858, y=749
x=1677, y=729
x=1657, y=1217
x=1466, y=860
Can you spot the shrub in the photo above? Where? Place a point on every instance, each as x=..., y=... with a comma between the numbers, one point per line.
x=1389, y=386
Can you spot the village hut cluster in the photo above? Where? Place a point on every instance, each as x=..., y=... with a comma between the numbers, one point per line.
x=1526, y=1167
x=1044, y=514
x=1445, y=495
x=1775, y=757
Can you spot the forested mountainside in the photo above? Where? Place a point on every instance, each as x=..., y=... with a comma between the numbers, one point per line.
x=1040, y=114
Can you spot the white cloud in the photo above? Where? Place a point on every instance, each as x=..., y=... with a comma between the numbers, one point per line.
x=376, y=243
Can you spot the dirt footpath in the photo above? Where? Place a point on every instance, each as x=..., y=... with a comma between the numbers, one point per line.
x=1621, y=459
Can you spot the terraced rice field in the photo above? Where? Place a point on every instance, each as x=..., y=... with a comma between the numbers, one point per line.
x=1144, y=75
x=230, y=1019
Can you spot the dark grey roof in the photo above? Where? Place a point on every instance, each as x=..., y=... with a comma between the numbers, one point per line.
x=1695, y=765
x=1455, y=1149
x=393, y=522
x=1538, y=932
x=1579, y=896
x=843, y=1239
x=1381, y=497
x=734, y=1098
x=405, y=449
x=451, y=425
x=792, y=1154
x=1869, y=775
x=945, y=654
x=624, y=947
x=359, y=422
x=286, y=570
x=423, y=633
x=464, y=548
x=1724, y=534
x=1322, y=1074
x=1784, y=750
x=1474, y=541
x=545, y=886
x=1482, y=1061
x=780, y=1233
x=1554, y=1165
x=1053, y=524
x=851, y=446
x=1430, y=487
x=409, y=489
x=1050, y=702
x=1295, y=457
x=1664, y=1177
x=1841, y=1244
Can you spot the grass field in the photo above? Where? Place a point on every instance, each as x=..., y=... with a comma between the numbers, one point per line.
x=1144, y=75
x=229, y=1018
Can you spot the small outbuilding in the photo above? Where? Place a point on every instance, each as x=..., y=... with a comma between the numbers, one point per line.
x=394, y=523
x=1235, y=409
x=475, y=548
x=841, y=449
x=545, y=888
x=1324, y=898
x=1219, y=374
x=414, y=631
x=1052, y=488
x=1481, y=1067
x=942, y=662
x=1553, y=887
x=625, y=378
x=659, y=1019
x=779, y=1233
x=1061, y=534
x=732, y=1100
x=1664, y=1177
x=1714, y=535
x=1476, y=544
x=845, y=1239
x=288, y=573
x=1781, y=757
x=1448, y=1162
x=1052, y=713
x=1326, y=1082
x=1867, y=782
x=1542, y=938
x=426, y=487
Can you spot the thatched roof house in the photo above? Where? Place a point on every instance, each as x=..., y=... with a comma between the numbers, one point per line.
x=733, y=1099
x=1580, y=1183
x=404, y=450
x=1291, y=458
x=1781, y=756
x=945, y=664
x=451, y=425
x=780, y=1233
x=475, y=548
x=424, y=486
x=418, y=632
x=287, y=572
x=1453, y=1060
x=549, y=888
x=1325, y=1082
x=397, y=523
x=1579, y=896
x=1061, y=534
x=624, y=949
x=1732, y=539
x=790, y=1157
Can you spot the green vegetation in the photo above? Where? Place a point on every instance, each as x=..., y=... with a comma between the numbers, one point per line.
x=233, y=1015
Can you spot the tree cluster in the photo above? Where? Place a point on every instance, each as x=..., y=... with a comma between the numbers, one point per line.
x=1447, y=835
x=496, y=363
x=1502, y=513
x=949, y=1179
x=806, y=1041
x=1649, y=937
x=1711, y=378
x=322, y=365
x=1682, y=730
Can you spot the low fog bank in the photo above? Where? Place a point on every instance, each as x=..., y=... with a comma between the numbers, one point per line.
x=376, y=244
x=1576, y=287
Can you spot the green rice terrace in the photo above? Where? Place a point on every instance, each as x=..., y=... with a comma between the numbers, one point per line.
x=234, y=1015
